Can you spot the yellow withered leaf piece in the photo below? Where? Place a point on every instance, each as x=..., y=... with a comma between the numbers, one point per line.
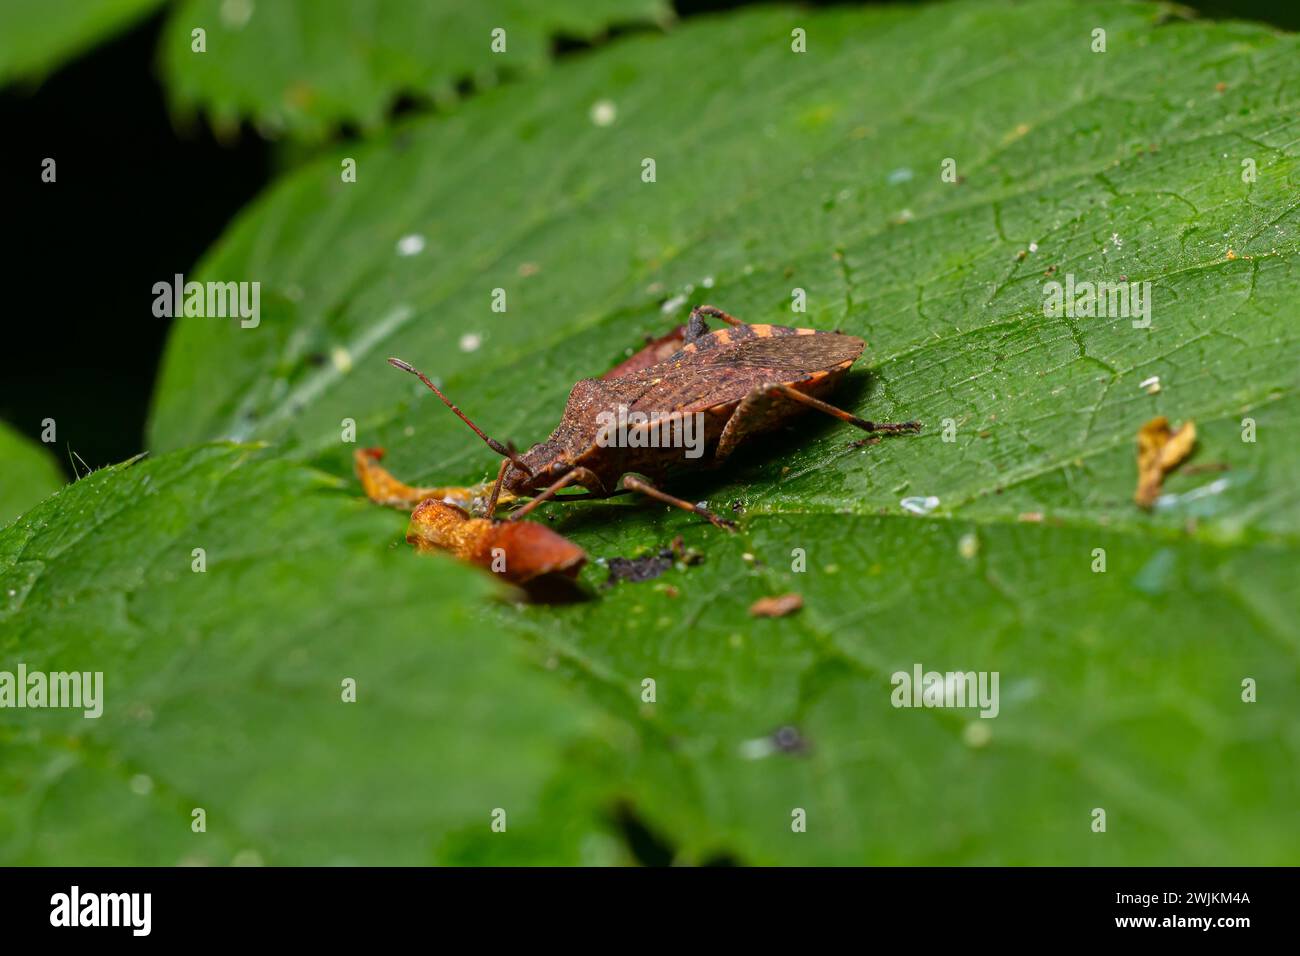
x=384, y=489
x=1160, y=450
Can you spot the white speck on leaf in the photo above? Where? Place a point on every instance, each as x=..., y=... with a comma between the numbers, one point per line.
x=235, y=14
x=1216, y=487
x=673, y=304
x=411, y=245
x=604, y=112
x=969, y=545
x=918, y=505
x=758, y=748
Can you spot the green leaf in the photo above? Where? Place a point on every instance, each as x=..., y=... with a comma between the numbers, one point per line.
x=38, y=35
x=28, y=472
x=223, y=688
x=304, y=67
x=1119, y=690
x=821, y=171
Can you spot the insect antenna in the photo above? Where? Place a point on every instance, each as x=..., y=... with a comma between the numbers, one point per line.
x=496, y=446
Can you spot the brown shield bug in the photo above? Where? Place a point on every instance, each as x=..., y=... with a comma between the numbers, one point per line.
x=654, y=417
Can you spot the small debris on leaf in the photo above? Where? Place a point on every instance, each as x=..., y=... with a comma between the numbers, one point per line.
x=919, y=505
x=685, y=555
x=1160, y=450
x=645, y=568
x=650, y=566
x=787, y=740
x=1150, y=385
x=778, y=606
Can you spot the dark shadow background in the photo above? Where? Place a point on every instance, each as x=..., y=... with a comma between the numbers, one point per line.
x=135, y=201
x=138, y=199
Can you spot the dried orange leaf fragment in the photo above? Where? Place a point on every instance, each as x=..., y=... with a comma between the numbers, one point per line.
x=384, y=489
x=1160, y=449
x=517, y=550
x=778, y=606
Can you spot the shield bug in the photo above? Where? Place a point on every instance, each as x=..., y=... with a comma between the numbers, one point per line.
x=651, y=419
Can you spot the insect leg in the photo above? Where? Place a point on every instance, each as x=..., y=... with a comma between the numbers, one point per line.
x=890, y=427
x=496, y=488
x=577, y=475
x=645, y=488
x=597, y=496
x=755, y=412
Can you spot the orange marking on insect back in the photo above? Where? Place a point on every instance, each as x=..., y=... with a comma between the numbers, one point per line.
x=762, y=331
x=805, y=331
x=723, y=337
x=689, y=348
